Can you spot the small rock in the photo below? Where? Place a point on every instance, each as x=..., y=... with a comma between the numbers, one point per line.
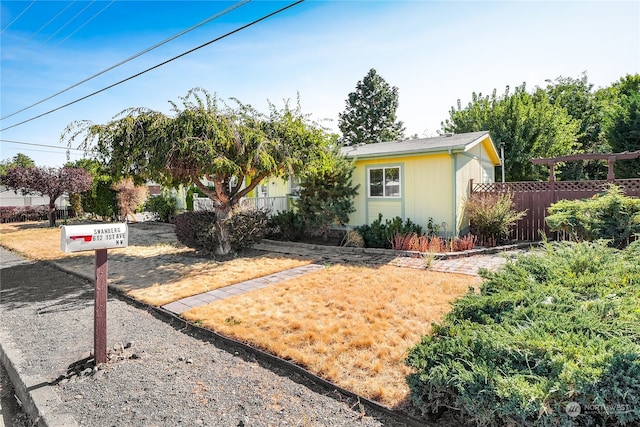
x=129, y=344
x=181, y=358
x=135, y=356
x=189, y=361
x=87, y=371
x=99, y=375
x=79, y=396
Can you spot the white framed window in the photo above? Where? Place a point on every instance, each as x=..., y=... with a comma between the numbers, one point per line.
x=384, y=182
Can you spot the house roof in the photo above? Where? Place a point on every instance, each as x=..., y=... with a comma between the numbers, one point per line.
x=449, y=143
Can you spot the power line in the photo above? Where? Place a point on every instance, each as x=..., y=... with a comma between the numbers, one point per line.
x=209, y=19
x=51, y=36
x=17, y=17
x=156, y=66
x=83, y=25
x=38, y=145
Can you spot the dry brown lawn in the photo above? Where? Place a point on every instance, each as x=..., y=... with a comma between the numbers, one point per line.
x=155, y=273
x=351, y=325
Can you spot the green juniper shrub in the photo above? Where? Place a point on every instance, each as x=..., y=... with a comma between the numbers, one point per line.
x=380, y=235
x=164, y=206
x=609, y=215
x=553, y=327
x=286, y=225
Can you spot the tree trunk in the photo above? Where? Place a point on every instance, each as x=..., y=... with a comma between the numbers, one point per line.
x=223, y=243
x=52, y=212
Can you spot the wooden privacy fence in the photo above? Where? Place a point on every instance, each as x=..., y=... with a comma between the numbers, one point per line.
x=536, y=197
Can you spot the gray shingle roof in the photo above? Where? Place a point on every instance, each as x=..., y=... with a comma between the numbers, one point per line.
x=455, y=142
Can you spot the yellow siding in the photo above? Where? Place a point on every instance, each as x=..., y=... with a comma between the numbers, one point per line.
x=427, y=191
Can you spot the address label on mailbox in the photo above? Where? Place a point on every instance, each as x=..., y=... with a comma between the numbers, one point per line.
x=89, y=237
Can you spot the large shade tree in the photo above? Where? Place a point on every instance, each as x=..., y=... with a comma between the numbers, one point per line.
x=621, y=124
x=47, y=181
x=370, y=113
x=225, y=150
x=529, y=125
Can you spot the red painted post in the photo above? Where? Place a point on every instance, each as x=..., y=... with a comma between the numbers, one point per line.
x=100, y=308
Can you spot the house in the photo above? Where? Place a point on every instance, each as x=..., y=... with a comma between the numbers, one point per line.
x=421, y=179
x=418, y=179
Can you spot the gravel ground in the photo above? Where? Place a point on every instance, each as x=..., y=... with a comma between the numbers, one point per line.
x=159, y=374
x=11, y=414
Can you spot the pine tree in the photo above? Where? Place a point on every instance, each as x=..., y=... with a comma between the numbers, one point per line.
x=370, y=114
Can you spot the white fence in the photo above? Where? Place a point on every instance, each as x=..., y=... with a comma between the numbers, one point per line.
x=272, y=204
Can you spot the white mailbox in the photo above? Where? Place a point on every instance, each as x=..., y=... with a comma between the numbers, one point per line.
x=90, y=237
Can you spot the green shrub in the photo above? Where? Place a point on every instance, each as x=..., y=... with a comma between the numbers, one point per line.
x=380, y=235
x=163, y=206
x=556, y=326
x=287, y=225
x=491, y=216
x=609, y=215
x=197, y=229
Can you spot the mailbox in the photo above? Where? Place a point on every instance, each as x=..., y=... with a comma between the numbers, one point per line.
x=90, y=237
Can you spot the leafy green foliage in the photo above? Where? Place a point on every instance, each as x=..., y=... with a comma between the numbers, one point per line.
x=208, y=142
x=609, y=215
x=529, y=124
x=196, y=229
x=577, y=97
x=326, y=197
x=287, y=225
x=101, y=198
x=370, y=114
x=556, y=326
x=621, y=123
x=491, y=216
x=164, y=206
x=19, y=159
x=380, y=235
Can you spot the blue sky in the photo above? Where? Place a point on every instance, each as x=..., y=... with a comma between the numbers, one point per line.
x=434, y=52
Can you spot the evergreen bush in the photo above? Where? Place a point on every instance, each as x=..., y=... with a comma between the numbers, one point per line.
x=163, y=206
x=554, y=328
x=610, y=215
x=380, y=235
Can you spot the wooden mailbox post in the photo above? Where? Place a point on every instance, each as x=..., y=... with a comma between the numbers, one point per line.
x=98, y=238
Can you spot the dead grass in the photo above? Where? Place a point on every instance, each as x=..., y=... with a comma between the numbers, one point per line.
x=155, y=273
x=207, y=276
x=350, y=325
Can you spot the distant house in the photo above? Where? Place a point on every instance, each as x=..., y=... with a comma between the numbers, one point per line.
x=13, y=198
x=421, y=179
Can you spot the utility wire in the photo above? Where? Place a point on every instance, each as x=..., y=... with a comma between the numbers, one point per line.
x=83, y=25
x=17, y=17
x=49, y=38
x=157, y=66
x=38, y=145
x=209, y=19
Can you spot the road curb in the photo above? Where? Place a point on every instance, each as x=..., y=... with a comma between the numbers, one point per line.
x=38, y=399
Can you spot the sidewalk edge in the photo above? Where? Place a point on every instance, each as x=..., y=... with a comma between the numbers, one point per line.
x=38, y=399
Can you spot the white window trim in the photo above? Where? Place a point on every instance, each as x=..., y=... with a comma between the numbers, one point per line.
x=384, y=173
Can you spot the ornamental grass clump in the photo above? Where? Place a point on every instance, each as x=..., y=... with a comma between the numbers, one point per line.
x=554, y=329
x=491, y=216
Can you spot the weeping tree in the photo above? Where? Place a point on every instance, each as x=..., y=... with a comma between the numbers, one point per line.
x=224, y=149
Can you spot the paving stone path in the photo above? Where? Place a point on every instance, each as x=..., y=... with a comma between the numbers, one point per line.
x=326, y=255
